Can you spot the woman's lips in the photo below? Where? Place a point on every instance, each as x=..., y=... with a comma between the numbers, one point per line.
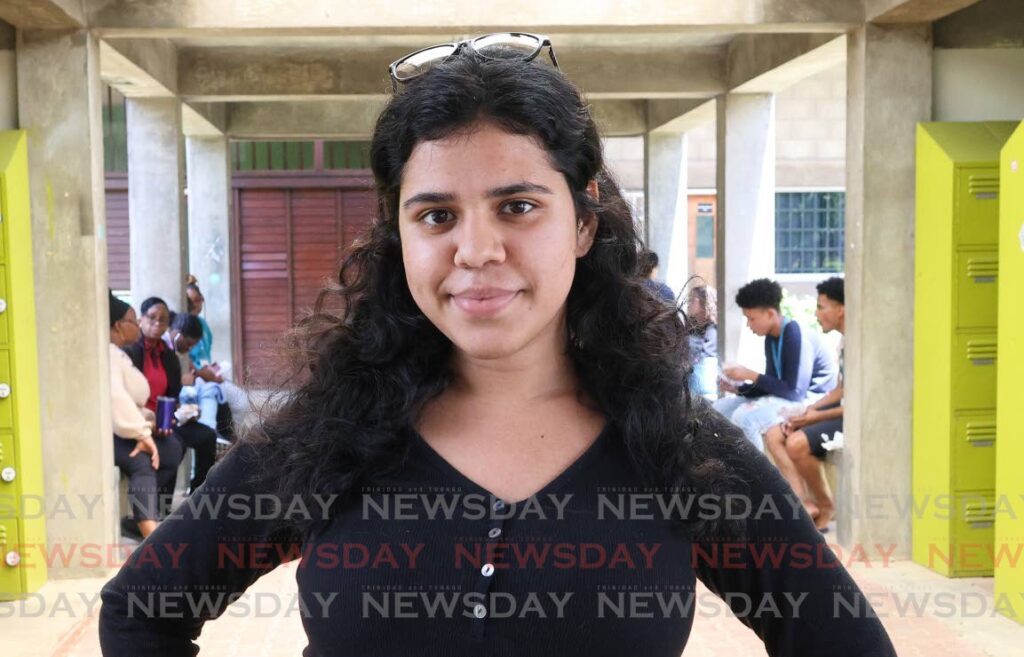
x=484, y=304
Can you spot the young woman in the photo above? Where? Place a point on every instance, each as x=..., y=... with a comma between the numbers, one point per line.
x=215, y=373
x=201, y=353
x=479, y=423
x=150, y=462
x=702, y=318
x=158, y=362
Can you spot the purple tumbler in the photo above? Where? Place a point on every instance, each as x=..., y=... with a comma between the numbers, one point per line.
x=165, y=407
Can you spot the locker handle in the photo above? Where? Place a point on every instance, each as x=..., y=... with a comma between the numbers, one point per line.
x=984, y=279
x=985, y=196
x=982, y=524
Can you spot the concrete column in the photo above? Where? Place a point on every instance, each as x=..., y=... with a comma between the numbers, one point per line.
x=889, y=90
x=745, y=224
x=8, y=79
x=156, y=200
x=666, y=197
x=59, y=104
x=209, y=230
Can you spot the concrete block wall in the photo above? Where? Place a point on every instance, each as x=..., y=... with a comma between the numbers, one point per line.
x=810, y=145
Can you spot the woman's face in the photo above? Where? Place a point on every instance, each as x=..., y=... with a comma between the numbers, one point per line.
x=695, y=308
x=128, y=327
x=490, y=240
x=195, y=301
x=155, y=321
x=182, y=343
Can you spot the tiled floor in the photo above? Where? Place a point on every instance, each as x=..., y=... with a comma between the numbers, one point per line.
x=932, y=632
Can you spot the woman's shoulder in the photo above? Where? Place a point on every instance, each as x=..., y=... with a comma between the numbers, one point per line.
x=720, y=441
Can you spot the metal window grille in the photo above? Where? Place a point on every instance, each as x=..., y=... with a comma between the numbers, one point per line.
x=809, y=232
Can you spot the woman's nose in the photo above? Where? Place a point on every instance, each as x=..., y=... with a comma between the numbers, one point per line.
x=478, y=241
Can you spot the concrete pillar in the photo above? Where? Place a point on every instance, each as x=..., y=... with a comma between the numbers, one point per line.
x=8, y=79
x=666, y=197
x=210, y=235
x=745, y=224
x=156, y=200
x=59, y=104
x=889, y=90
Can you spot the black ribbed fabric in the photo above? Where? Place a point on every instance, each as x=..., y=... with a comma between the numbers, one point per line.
x=571, y=576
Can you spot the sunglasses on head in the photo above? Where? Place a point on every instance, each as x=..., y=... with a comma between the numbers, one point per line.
x=512, y=46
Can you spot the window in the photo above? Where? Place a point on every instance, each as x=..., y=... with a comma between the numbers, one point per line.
x=705, y=231
x=809, y=232
x=115, y=132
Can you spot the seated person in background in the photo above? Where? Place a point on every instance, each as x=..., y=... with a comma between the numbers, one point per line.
x=702, y=323
x=648, y=267
x=151, y=463
x=796, y=445
x=202, y=356
x=798, y=367
x=151, y=356
x=183, y=335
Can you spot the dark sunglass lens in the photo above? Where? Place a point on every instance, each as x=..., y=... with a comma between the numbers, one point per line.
x=419, y=63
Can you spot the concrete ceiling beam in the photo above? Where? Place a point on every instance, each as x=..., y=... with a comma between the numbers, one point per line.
x=665, y=115
x=355, y=118
x=328, y=119
x=620, y=118
x=769, y=63
x=989, y=24
x=43, y=14
x=140, y=68
x=701, y=114
x=247, y=74
x=911, y=11
x=203, y=119
x=181, y=18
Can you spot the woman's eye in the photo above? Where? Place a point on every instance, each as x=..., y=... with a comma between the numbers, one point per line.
x=517, y=207
x=435, y=217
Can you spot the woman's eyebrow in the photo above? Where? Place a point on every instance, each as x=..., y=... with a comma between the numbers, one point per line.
x=429, y=197
x=518, y=188
x=497, y=192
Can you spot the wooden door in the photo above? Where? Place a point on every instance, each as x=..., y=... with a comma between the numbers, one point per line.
x=290, y=236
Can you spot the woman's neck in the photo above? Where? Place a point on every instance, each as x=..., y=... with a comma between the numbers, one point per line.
x=535, y=373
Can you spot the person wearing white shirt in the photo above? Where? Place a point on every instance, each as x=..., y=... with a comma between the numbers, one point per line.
x=150, y=462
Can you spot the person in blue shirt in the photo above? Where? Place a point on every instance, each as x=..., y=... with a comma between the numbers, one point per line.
x=798, y=367
x=648, y=266
x=202, y=353
x=209, y=372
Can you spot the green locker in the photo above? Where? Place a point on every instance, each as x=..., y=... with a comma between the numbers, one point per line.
x=957, y=350
x=1009, y=534
x=21, y=463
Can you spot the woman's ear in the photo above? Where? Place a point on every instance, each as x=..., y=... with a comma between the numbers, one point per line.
x=587, y=227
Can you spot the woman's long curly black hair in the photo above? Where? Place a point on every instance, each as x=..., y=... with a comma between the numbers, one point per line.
x=366, y=371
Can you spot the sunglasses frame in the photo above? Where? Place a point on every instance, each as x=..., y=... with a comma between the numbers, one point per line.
x=542, y=42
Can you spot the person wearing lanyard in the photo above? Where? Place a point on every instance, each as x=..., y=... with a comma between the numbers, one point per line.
x=798, y=368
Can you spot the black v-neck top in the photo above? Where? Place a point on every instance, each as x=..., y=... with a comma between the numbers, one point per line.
x=430, y=563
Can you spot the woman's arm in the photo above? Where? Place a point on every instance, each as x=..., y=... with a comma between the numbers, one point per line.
x=125, y=416
x=198, y=561
x=780, y=561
